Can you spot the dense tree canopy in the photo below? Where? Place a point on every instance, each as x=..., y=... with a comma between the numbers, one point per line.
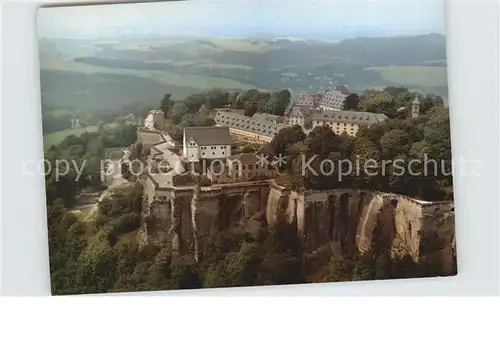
x=389, y=156
x=256, y=101
x=396, y=102
x=351, y=102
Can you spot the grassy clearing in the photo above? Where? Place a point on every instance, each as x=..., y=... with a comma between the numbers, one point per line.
x=56, y=137
x=115, y=124
x=424, y=76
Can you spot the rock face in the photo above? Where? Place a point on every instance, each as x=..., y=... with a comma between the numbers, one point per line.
x=348, y=219
x=330, y=222
x=185, y=218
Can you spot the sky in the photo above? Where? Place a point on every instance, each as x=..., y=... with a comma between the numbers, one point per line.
x=321, y=20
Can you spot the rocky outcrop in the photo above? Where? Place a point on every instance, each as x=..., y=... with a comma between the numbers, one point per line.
x=330, y=222
x=185, y=218
x=348, y=219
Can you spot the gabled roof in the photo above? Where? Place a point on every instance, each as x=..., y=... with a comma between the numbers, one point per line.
x=333, y=98
x=266, y=117
x=304, y=99
x=301, y=112
x=296, y=112
x=416, y=100
x=250, y=124
x=208, y=135
x=343, y=89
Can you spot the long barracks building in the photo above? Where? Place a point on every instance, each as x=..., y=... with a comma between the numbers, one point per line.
x=346, y=121
x=260, y=128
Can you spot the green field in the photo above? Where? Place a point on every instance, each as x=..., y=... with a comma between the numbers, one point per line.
x=163, y=77
x=56, y=137
x=423, y=76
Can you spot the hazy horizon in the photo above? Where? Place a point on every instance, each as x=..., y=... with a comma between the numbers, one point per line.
x=325, y=20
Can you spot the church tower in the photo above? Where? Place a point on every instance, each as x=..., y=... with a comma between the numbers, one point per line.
x=415, y=107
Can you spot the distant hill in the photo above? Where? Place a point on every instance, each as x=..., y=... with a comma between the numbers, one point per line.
x=401, y=51
x=89, y=73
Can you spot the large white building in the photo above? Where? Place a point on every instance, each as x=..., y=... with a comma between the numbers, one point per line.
x=328, y=99
x=303, y=105
x=300, y=115
x=346, y=121
x=260, y=128
x=206, y=143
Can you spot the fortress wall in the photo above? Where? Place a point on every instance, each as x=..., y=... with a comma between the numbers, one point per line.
x=342, y=219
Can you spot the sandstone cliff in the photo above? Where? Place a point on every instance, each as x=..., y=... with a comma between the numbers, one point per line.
x=185, y=218
x=344, y=220
x=330, y=222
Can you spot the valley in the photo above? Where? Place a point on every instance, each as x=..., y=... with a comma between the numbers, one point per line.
x=105, y=74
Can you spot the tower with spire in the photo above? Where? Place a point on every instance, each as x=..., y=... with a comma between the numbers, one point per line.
x=415, y=107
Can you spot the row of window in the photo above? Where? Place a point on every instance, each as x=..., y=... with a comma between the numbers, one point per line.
x=354, y=118
x=222, y=147
x=213, y=153
x=332, y=124
x=248, y=124
x=337, y=130
x=335, y=102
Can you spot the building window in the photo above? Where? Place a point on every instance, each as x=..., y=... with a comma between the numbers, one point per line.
x=249, y=167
